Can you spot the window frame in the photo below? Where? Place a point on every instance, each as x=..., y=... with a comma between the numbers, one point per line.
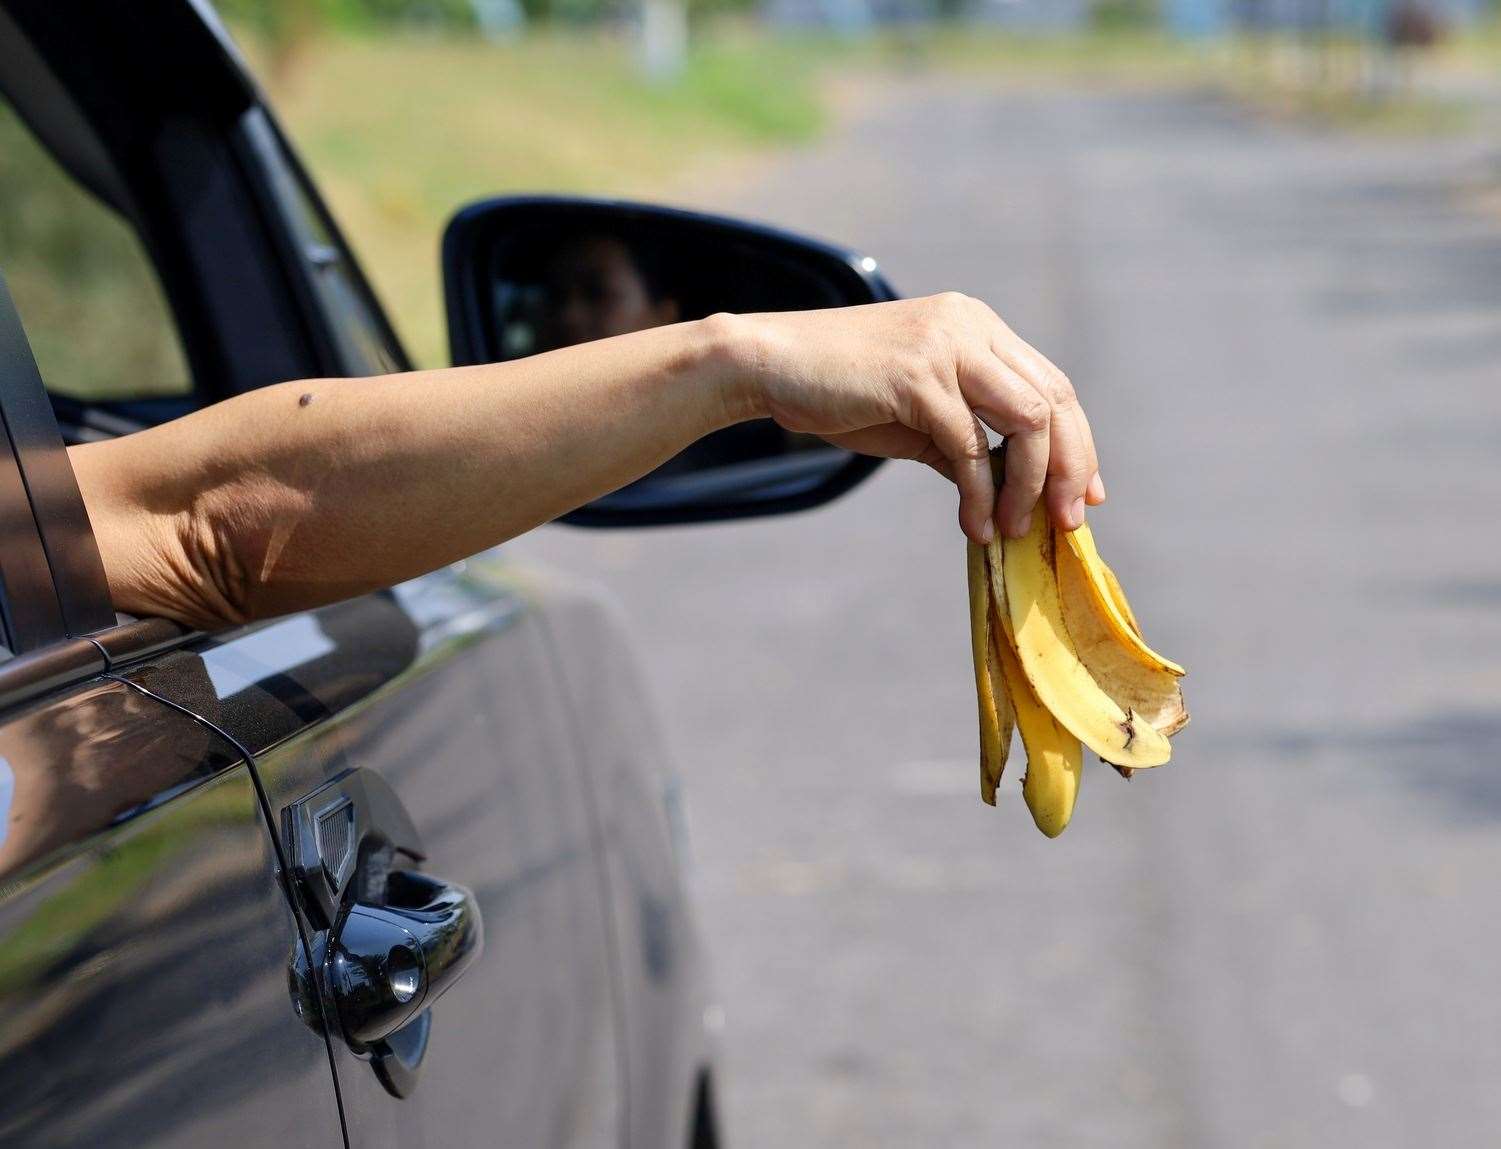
x=53, y=580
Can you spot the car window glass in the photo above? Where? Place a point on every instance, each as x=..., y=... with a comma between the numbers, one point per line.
x=368, y=348
x=94, y=311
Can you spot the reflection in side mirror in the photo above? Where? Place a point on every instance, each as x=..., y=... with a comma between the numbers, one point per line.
x=523, y=276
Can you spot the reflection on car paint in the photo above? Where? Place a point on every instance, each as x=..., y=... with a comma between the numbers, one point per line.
x=273, y=649
x=77, y=767
x=105, y=888
x=7, y=791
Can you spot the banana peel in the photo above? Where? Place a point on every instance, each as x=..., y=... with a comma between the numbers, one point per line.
x=995, y=706
x=1059, y=657
x=1149, y=691
x=1034, y=624
x=1117, y=595
x=1105, y=589
x=1055, y=758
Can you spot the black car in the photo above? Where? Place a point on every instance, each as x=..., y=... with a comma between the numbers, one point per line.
x=237, y=871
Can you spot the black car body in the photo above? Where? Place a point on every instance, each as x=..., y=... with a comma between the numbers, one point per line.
x=191, y=820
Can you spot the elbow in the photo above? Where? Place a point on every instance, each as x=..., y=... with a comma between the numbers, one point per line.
x=211, y=585
x=237, y=553
x=200, y=548
x=201, y=565
x=181, y=566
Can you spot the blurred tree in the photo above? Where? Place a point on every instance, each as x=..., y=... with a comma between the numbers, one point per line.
x=1411, y=25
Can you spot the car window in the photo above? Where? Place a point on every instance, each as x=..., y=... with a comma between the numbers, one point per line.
x=93, y=308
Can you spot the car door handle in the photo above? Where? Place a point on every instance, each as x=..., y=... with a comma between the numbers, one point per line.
x=387, y=940
x=392, y=961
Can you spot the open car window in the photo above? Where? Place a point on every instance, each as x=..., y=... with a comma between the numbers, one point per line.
x=97, y=319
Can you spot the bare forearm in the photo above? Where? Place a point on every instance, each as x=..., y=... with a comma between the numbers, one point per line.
x=308, y=492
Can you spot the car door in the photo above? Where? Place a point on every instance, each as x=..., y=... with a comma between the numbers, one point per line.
x=144, y=934
x=438, y=698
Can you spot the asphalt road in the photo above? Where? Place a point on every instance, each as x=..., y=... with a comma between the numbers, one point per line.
x=1290, y=344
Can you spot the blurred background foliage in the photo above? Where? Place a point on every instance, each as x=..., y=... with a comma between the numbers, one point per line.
x=405, y=109
x=91, y=305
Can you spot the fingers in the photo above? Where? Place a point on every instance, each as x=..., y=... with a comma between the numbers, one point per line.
x=956, y=363
x=960, y=438
x=1094, y=494
x=1072, y=462
x=1026, y=470
x=1012, y=407
x=1069, y=470
x=1094, y=490
x=1026, y=422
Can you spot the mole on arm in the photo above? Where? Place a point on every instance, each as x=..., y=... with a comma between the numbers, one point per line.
x=305, y=399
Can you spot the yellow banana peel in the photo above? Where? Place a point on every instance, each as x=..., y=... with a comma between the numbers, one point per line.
x=1118, y=596
x=1034, y=623
x=1148, y=691
x=1059, y=655
x=1055, y=759
x=995, y=707
x=1105, y=589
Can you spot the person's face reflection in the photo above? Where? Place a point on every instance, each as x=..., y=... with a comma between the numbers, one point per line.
x=595, y=290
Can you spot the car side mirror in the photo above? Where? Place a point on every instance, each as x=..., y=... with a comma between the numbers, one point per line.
x=524, y=275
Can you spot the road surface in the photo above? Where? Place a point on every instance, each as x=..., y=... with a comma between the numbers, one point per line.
x=1290, y=344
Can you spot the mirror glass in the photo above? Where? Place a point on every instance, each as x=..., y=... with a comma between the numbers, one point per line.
x=595, y=279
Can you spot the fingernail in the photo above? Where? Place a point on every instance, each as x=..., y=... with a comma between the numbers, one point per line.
x=1076, y=514
x=1023, y=525
x=1096, y=488
x=987, y=532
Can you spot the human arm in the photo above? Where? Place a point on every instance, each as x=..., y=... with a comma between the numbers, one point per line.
x=304, y=493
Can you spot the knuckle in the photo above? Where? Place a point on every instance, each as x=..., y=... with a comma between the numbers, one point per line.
x=1034, y=415
x=976, y=446
x=954, y=310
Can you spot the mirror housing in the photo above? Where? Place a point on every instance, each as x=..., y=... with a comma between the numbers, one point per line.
x=512, y=269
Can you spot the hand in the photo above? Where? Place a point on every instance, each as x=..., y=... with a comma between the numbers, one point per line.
x=921, y=379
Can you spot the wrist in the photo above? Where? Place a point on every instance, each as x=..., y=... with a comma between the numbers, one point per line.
x=735, y=354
